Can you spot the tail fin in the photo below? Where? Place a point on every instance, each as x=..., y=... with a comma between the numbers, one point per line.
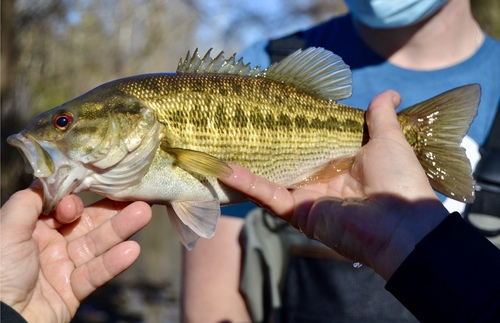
x=442, y=122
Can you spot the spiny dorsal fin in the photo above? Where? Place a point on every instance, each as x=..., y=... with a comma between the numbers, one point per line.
x=219, y=65
x=315, y=71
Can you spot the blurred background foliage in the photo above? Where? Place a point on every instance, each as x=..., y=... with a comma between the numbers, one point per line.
x=55, y=50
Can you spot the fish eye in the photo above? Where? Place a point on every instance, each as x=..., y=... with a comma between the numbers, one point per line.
x=62, y=121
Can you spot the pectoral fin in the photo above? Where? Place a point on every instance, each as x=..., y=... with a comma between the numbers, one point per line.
x=187, y=236
x=194, y=219
x=200, y=162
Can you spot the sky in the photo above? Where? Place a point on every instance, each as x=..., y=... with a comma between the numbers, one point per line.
x=222, y=20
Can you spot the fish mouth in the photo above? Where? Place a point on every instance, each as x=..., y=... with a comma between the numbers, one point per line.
x=59, y=175
x=37, y=161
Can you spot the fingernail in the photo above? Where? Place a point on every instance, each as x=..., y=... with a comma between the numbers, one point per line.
x=396, y=100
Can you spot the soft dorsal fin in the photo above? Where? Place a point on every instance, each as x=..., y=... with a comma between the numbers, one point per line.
x=315, y=71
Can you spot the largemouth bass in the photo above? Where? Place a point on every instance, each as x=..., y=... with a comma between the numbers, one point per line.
x=167, y=138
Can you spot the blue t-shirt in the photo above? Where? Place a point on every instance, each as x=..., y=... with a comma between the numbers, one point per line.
x=372, y=74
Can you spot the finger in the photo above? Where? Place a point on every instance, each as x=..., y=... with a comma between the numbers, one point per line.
x=69, y=209
x=93, y=216
x=110, y=233
x=22, y=209
x=381, y=116
x=267, y=194
x=98, y=271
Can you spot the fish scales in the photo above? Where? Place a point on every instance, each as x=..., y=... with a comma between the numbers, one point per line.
x=167, y=138
x=250, y=121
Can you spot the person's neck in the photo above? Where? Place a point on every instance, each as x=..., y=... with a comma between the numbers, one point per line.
x=445, y=39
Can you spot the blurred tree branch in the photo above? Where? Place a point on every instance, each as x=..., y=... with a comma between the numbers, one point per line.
x=487, y=14
x=15, y=22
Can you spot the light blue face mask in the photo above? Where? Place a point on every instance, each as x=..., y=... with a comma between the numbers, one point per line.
x=392, y=13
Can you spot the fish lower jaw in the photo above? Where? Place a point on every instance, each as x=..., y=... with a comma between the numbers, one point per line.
x=65, y=181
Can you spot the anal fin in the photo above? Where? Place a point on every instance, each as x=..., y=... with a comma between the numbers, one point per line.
x=330, y=170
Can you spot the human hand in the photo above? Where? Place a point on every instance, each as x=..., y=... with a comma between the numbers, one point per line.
x=51, y=263
x=376, y=212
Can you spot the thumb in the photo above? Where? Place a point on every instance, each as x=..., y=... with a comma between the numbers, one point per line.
x=381, y=116
x=22, y=210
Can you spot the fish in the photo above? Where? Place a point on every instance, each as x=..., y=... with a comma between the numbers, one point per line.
x=167, y=138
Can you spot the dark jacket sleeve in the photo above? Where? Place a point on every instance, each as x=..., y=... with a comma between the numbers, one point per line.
x=9, y=315
x=452, y=275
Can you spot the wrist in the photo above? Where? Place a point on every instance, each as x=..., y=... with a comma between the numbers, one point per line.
x=9, y=314
x=415, y=221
